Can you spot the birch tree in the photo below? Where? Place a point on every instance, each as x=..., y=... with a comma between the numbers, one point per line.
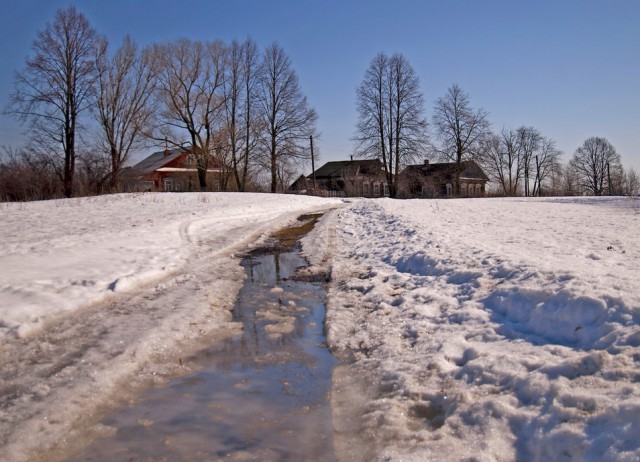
x=57, y=85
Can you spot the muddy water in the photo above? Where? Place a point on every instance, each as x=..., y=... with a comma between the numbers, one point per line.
x=262, y=395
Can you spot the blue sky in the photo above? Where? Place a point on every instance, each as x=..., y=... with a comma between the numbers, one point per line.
x=569, y=68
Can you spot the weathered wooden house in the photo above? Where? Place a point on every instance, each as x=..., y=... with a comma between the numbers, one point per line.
x=349, y=178
x=439, y=180
x=171, y=170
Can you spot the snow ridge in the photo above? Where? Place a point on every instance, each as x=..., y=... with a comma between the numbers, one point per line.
x=480, y=348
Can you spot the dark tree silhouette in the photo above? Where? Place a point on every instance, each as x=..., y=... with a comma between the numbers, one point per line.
x=58, y=84
x=124, y=102
x=460, y=128
x=593, y=162
x=287, y=117
x=391, y=124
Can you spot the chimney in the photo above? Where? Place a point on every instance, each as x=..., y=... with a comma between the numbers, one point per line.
x=351, y=158
x=166, y=152
x=426, y=162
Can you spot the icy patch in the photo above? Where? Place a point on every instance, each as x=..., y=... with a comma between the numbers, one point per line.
x=84, y=320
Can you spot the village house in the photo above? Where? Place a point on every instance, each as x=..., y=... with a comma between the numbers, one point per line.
x=439, y=180
x=170, y=170
x=349, y=178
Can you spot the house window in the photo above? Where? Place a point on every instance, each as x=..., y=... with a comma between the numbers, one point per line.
x=449, y=190
x=365, y=189
x=423, y=192
x=376, y=189
x=478, y=190
x=191, y=159
x=169, y=184
x=146, y=186
x=386, y=190
x=463, y=190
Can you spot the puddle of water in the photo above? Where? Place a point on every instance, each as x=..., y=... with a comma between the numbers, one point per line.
x=262, y=395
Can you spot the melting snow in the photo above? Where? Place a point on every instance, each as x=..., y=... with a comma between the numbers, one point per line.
x=483, y=329
x=501, y=329
x=100, y=297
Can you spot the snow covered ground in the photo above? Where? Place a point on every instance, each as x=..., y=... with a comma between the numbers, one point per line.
x=57, y=256
x=102, y=296
x=480, y=329
x=486, y=329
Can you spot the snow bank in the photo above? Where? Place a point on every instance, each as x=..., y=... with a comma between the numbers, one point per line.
x=102, y=297
x=57, y=256
x=487, y=329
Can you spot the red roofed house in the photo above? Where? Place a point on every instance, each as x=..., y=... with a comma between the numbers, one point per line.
x=171, y=170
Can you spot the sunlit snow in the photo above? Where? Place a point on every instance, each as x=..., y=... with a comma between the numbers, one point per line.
x=493, y=329
x=480, y=329
x=100, y=297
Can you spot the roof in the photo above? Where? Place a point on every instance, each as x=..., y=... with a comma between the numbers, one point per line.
x=182, y=170
x=156, y=160
x=335, y=168
x=469, y=169
x=301, y=184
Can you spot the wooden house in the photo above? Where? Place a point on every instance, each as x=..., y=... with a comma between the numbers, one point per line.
x=170, y=170
x=440, y=180
x=349, y=178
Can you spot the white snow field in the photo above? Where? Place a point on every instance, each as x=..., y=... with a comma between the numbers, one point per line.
x=100, y=297
x=471, y=329
x=484, y=329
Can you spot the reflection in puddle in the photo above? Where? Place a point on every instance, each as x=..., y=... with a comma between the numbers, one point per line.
x=262, y=395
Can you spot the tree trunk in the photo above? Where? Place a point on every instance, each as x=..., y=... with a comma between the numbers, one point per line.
x=274, y=173
x=202, y=171
x=69, y=163
x=115, y=168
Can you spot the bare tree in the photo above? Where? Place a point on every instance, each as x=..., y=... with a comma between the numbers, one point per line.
x=391, y=125
x=125, y=87
x=460, y=128
x=556, y=182
x=92, y=172
x=232, y=89
x=24, y=176
x=241, y=78
x=287, y=117
x=632, y=183
x=58, y=84
x=547, y=160
x=514, y=155
x=591, y=163
x=500, y=157
x=189, y=90
x=254, y=125
x=371, y=129
x=530, y=141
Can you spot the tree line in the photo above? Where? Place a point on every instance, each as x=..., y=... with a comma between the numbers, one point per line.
x=87, y=105
x=393, y=128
